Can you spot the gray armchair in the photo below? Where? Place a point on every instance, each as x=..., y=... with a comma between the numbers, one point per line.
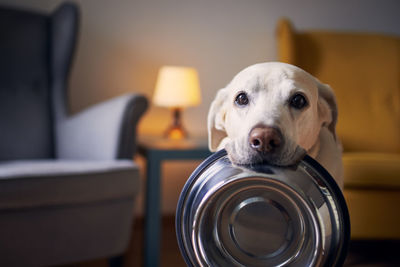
x=67, y=183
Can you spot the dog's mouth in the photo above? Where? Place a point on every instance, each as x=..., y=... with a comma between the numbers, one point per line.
x=289, y=155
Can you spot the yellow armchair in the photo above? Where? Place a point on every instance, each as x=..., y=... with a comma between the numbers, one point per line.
x=364, y=71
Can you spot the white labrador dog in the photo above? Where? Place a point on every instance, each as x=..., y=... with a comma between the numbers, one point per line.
x=275, y=113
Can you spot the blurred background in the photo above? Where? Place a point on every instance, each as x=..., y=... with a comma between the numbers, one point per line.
x=123, y=43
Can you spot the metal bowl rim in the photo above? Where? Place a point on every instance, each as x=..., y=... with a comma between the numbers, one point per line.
x=322, y=173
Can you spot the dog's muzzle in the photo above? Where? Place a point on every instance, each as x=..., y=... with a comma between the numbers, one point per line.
x=265, y=139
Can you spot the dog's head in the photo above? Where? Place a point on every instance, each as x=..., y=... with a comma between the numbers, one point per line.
x=270, y=112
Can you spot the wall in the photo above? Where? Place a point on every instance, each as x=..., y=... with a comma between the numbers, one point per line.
x=123, y=43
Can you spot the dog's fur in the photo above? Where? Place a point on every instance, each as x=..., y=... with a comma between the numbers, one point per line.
x=269, y=88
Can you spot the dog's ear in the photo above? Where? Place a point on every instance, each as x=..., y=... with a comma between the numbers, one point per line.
x=216, y=120
x=327, y=107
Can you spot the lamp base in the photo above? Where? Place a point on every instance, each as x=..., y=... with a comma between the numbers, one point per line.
x=176, y=130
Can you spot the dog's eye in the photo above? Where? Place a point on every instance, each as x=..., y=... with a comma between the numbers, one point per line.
x=242, y=99
x=298, y=101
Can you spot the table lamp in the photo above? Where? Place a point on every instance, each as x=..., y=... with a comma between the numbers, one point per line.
x=177, y=88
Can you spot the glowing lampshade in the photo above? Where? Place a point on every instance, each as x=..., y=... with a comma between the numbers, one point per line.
x=177, y=88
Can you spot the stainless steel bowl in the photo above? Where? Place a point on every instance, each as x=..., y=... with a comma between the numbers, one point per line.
x=261, y=216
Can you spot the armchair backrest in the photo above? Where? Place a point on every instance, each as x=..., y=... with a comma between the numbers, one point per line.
x=35, y=57
x=364, y=71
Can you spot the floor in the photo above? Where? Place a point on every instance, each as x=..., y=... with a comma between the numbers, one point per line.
x=361, y=254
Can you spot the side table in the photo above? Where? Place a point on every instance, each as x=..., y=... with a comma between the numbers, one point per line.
x=156, y=150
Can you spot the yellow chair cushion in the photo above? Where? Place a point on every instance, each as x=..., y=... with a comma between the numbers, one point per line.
x=371, y=170
x=374, y=214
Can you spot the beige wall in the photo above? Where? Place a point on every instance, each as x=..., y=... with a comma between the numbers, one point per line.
x=123, y=43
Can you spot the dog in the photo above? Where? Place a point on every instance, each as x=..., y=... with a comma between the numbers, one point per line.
x=275, y=113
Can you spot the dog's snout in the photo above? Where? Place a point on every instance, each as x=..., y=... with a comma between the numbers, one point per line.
x=265, y=139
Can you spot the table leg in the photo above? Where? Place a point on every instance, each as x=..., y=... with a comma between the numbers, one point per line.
x=152, y=233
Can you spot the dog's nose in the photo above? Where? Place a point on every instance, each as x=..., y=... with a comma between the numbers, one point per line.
x=265, y=139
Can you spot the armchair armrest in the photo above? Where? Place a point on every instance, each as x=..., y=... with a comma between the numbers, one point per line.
x=103, y=131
